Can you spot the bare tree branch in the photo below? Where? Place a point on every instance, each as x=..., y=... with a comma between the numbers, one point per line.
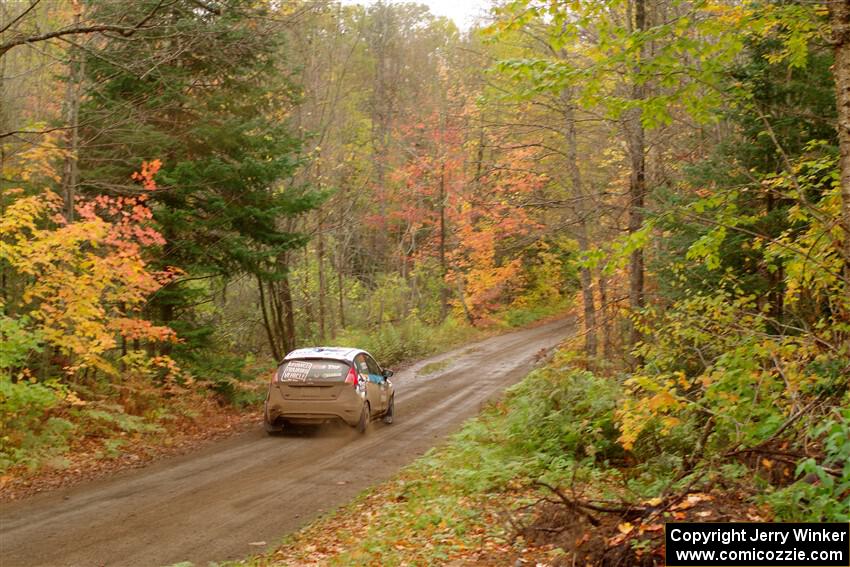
x=125, y=31
x=20, y=16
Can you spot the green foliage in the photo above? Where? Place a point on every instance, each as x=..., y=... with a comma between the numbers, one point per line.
x=112, y=448
x=104, y=420
x=551, y=412
x=714, y=34
x=23, y=403
x=824, y=493
x=753, y=340
x=548, y=274
x=29, y=434
x=521, y=316
x=547, y=426
x=212, y=113
x=18, y=341
x=393, y=344
x=727, y=352
x=225, y=374
x=729, y=205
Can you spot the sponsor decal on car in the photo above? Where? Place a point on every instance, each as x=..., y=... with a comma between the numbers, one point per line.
x=296, y=371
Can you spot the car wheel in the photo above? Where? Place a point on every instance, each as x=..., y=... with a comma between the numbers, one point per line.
x=388, y=416
x=365, y=418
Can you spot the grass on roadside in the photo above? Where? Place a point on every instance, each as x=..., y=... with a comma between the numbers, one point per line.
x=434, y=367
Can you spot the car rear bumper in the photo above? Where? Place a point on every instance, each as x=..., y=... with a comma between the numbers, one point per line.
x=279, y=409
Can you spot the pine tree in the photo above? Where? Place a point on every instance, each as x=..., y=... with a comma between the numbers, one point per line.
x=199, y=89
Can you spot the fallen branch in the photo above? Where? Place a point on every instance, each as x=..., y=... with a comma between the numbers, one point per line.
x=628, y=512
x=582, y=507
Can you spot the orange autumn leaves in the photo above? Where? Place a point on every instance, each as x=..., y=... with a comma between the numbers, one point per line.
x=146, y=175
x=481, y=200
x=85, y=282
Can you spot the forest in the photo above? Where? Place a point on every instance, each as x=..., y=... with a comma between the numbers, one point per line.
x=190, y=189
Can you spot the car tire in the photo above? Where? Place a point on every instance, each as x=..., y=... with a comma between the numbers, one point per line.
x=272, y=430
x=388, y=415
x=365, y=419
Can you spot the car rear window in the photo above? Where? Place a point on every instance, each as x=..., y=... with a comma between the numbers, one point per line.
x=312, y=370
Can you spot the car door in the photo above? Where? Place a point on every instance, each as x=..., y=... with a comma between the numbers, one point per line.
x=373, y=394
x=383, y=386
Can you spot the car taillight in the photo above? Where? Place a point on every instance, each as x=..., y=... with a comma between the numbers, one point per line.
x=351, y=377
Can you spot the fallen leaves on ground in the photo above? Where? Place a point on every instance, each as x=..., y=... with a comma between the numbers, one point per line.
x=413, y=520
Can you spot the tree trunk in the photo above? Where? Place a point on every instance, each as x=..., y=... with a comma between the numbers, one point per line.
x=167, y=315
x=382, y=112
x=320, y=257
x=637, y=184
x=279, y=321
x=267, y=324
x=461, y=293
x=776, y=278
x=582, y=213
x=306, y=294
x=340, y=278
x=5, y=125
x=589, y=311
x=839, y=19
x=5, y=121
x=444, y=299
x=604, y=310
x=285, y=295
x=340, y=295
x=72, y=136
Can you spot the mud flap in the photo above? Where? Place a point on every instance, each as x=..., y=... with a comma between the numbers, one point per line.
x=269, y=427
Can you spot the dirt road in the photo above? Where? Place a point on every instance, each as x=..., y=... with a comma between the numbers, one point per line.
x=222, y=501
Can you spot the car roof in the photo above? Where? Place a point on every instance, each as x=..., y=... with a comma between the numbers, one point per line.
x=333, y=353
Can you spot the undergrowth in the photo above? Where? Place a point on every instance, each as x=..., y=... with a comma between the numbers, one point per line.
x=408, y=340
x=49, y=424
x=412, y=338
